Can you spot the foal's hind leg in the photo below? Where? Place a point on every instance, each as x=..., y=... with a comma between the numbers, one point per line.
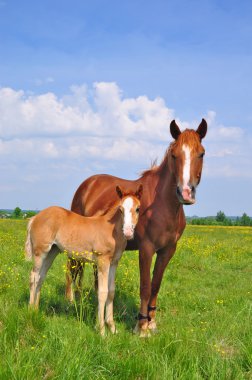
x=42, y=262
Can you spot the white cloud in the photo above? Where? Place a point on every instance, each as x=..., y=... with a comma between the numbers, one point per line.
x=106, y=113
x=93, y=125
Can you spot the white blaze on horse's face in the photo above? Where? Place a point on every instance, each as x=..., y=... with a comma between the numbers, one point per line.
x=186, y=189
x=130, y=218
x=187, y=160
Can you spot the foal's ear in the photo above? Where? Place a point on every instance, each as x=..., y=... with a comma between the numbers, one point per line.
x=119, y=192
x=139, y=191
x=202, y=129
x=174, y=129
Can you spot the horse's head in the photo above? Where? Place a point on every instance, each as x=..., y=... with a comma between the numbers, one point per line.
x=129, y=206
x=187, y=154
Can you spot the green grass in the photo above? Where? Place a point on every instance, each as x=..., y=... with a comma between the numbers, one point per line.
x=204, y=315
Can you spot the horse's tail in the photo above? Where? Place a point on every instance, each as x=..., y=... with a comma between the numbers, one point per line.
x=28, y=243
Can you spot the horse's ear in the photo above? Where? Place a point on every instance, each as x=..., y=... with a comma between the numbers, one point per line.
x=119, y=192
x=202, y=129
x=174, y=129
x=139, y=191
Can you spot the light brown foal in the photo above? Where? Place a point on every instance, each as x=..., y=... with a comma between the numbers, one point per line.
x=99, y=239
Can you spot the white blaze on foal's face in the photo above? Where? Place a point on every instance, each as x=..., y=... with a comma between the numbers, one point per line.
x=128, y=224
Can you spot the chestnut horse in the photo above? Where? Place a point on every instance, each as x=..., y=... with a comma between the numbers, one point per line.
x=167, y=188
x=99, y=239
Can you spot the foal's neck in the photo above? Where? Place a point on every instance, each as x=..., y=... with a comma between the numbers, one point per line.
x=115, y=218
x=113, y=212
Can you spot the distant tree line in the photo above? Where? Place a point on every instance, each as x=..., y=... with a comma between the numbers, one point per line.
x=17, y=213
x=221, y=220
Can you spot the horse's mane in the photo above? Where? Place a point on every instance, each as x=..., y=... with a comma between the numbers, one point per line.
x=154, y=166
x=185, y=136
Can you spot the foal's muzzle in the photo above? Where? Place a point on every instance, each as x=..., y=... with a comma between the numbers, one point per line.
x=128, y=233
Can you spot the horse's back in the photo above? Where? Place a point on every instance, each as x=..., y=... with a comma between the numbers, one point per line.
x=98, y=193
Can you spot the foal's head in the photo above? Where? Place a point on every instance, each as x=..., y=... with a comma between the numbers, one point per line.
x=129, y=207
x=187, y=159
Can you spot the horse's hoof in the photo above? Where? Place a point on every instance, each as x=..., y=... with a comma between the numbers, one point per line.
x=152, y=326
x=143, y=331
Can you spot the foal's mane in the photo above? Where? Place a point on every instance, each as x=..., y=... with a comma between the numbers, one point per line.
x=111, y=211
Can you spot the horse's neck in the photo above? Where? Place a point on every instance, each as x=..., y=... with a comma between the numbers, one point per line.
x=165, y=188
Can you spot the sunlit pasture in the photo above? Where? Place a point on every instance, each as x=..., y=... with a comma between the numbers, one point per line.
x=204, y=315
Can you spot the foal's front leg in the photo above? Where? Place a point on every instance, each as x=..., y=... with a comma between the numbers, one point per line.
x=110, y=299
x=103, y=274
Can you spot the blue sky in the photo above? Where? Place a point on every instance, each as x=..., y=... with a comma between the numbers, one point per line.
x=90, y=87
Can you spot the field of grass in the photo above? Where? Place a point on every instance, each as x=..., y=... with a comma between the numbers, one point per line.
x=204, y=315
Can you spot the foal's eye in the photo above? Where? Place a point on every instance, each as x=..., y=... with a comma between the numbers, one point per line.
x=174, y=157
x=202, y=155
x=137, y=210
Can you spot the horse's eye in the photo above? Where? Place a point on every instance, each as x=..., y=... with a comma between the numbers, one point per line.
x=202, y=155
x=174, y=157
x=137, y=209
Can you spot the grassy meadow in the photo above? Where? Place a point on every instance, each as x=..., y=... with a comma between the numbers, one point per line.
x=204, y=315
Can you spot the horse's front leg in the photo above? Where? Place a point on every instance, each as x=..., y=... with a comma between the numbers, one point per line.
x=111, y=294
x=145, y=257
x=103, y=274
x=163, y=257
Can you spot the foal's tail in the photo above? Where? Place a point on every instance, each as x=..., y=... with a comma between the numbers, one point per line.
x=28, y=243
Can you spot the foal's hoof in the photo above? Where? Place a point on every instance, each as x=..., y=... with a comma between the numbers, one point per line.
x=102, y=333
x=112, y=328
x=142, y=331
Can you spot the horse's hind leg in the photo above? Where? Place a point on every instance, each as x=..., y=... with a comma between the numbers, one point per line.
x=95, y=276
x=42, y=262
x=69, y=293
x=74, y=269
